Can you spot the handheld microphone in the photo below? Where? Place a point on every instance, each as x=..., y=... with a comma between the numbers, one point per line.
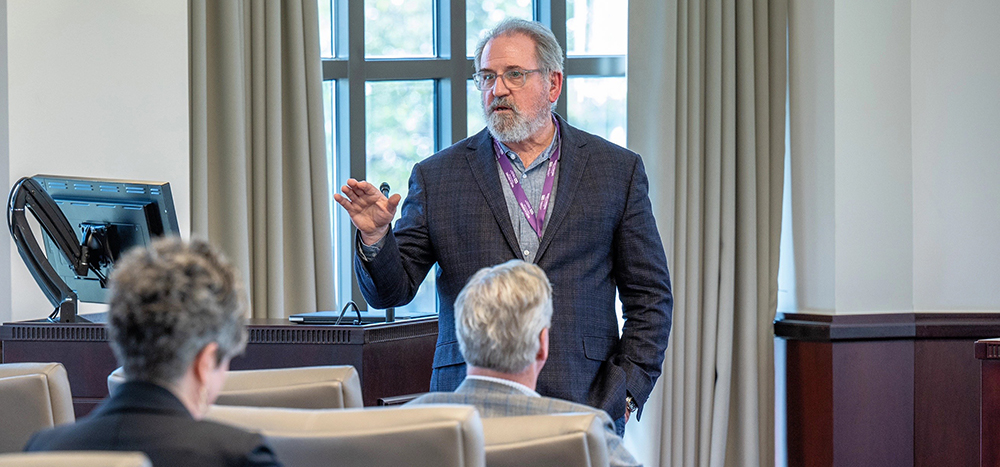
x=390, y=313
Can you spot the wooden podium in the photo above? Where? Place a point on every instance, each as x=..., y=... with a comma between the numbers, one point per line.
x=391, y=358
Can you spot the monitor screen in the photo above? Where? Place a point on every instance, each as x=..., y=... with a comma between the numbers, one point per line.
x=118, y=214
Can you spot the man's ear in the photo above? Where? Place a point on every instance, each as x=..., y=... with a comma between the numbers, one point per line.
x=206, y=361
x=543, y=347
x=555, y=85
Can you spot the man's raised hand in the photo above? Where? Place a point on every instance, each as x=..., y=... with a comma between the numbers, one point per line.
x=370, y=211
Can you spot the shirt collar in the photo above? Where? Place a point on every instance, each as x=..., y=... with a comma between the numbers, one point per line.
x=544, y=156
x=506, y=382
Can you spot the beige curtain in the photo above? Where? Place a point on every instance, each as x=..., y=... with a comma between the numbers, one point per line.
x=259, y=171
x=706, y=108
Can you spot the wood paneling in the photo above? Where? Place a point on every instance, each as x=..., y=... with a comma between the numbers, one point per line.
x=988, y=353
x=810, y=403
x=946, y=428
x=873, y=403
x=885, y=389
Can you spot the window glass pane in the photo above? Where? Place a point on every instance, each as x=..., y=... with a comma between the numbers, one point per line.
x=325, y=28
x=342, y=271
x=399, y=122
x=329, y=112
x=597, y=105
x=596, y=27
x=474, y=100
x=481, y=15
x=399, y=28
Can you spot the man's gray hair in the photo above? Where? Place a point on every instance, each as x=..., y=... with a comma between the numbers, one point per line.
x=547, y=50
x=168, y=302
x=500, y=313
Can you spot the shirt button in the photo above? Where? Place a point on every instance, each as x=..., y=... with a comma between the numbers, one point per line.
x=524, y=176
x=527, y=253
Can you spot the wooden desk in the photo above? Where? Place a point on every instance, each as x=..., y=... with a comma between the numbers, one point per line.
x=391, y=358
x=988, y=353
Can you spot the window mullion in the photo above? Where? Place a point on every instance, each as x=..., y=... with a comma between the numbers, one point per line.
x=350, y=44
x=552, y=13
x=450, y=98
x=597, y=65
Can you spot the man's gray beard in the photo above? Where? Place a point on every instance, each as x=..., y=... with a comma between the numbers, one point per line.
x=514, y=128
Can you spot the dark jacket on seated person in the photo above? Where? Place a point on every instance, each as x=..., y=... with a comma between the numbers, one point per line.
x=148, y=418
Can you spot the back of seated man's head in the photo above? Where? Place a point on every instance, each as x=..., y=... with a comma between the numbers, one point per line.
x=500, y=314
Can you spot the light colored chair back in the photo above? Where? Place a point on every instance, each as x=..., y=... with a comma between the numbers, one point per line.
x=566, y=440
x=429, y=435
x=317, y=387
x=33, y=396
x=75, y=459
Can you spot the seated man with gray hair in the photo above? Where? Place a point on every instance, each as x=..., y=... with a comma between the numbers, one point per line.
x=502, y=318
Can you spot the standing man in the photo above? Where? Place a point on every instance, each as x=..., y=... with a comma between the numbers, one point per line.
x=530, y=187
x=502, y=317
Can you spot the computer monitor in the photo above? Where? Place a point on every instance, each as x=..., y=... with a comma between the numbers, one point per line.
x=106, y=217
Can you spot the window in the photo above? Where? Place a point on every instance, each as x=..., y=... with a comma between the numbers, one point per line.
x=410, y=93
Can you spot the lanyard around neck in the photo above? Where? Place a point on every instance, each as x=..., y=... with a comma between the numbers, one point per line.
x=536, y=220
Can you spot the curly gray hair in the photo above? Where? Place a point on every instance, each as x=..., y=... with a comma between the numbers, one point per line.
x=500, y=313
x=168, y=302
x=548, y=52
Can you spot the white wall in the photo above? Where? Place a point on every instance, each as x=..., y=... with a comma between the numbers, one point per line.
x=956, y=154
x=896, y=105
x=5, y=242
x=872, y=181
x=96, y=88
x=811, y=139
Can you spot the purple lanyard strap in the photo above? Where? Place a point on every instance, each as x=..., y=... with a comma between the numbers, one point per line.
x=536, y=220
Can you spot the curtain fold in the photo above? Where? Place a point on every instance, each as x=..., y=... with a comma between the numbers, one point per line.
x=706, y=108
x=259, y=168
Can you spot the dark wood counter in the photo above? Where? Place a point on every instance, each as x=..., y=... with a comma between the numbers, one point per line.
x=391, y=358
x=900, y=389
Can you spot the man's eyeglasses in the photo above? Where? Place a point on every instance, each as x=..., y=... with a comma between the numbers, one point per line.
x=513, y=79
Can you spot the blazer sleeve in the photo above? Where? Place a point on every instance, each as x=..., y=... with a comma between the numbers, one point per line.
x=640, y=269
x=393, y=276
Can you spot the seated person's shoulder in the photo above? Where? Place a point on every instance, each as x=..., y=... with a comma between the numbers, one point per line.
x=214, y=443
x=233, y=438
x=566, y=406
x=433, y=398
x=203, y=442
x=242, y=447
x=48, y=439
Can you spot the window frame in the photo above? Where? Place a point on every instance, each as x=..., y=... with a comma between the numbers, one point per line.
x=450, y=69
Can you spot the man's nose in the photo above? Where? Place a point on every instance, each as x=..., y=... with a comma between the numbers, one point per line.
x=500, y=87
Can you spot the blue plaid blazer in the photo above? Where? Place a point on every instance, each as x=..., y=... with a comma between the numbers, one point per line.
x=601, y=238
x=493, y=399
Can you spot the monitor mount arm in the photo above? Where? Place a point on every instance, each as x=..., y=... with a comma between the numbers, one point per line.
x=28, y=193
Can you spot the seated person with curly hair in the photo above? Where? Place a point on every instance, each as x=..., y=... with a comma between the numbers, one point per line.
x=176, y=320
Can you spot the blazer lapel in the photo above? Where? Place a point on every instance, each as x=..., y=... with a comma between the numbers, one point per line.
x=482, y=160
x=572, y=165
